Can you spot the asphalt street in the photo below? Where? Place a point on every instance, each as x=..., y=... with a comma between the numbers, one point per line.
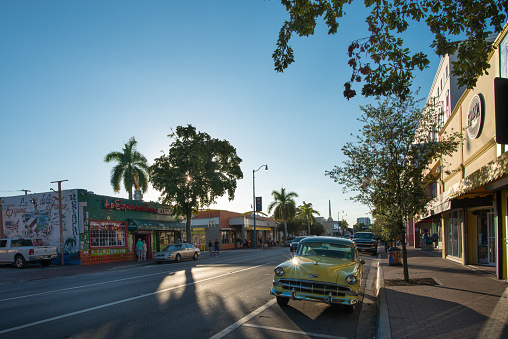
x=224, y=296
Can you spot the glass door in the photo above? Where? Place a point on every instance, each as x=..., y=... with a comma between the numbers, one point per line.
x=483, y=238
x=492, y=239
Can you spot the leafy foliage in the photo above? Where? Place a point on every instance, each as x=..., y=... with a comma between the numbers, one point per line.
x=196, y=171
x=388, y=165
x=306, y=212
x=132, y=167
x=284, y=208
x=381, y=59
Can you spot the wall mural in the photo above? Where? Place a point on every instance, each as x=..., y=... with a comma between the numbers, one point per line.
x=35, y=216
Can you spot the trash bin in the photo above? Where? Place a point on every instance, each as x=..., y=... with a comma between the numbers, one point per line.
x=394, y=256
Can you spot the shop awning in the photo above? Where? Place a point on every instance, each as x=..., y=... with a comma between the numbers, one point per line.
x=155, y=225
x=248, y=228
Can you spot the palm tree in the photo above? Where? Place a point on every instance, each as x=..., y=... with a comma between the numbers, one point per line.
x=306, y=212
x=283, y=208
x=132, y=167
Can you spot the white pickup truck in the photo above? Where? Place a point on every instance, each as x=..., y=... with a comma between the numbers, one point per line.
x=20, y=251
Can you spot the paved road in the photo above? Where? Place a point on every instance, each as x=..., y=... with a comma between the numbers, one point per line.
x=223, y=296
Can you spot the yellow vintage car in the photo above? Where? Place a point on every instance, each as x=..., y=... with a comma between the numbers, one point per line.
x=324, y=269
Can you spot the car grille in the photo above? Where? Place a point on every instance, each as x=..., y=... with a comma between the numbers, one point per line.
x=314, y=287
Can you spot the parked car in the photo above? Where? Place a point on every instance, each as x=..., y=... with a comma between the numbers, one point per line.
x=177, y=253
x=19, y=251
x=324, y=269
x=288, y=242
x=367, y=241
x=294, y=243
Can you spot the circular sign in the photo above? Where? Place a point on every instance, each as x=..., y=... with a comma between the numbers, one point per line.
x=475, y=116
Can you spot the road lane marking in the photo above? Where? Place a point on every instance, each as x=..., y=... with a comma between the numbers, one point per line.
x=310, y=334
x=12, y=329
x=242, y=321
x=101, y=283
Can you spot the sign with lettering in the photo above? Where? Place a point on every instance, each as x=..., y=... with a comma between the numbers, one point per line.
x=119, y=206
x=475, y=116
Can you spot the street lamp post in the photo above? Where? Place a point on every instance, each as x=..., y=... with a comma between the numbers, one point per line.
x=254, y=200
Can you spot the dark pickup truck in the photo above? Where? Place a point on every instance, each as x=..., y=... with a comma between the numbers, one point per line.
x=367, y=241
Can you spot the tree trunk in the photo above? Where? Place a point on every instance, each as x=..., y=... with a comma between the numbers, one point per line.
x=404, y=251
x=188, y=228
x=285, y=232
x=308, y=226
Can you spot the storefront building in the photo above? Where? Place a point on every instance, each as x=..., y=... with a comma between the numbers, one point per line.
x=231, y=228
x=95, y=229
x=469, y=209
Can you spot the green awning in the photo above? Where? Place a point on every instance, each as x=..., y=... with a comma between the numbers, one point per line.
x=155, y=225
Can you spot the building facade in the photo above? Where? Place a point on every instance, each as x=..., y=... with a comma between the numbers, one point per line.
x=95, y=228
x=468, y=212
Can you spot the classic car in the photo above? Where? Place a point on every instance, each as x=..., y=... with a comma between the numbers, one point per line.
x=324, y=269
x=177, y=253
x=367, y=241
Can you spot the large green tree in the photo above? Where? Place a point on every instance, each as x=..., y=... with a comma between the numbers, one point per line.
x=196, y=171
x=132, y=168
x=382, y=60
x=306, y=212
x=388, y=165
x=284, y=208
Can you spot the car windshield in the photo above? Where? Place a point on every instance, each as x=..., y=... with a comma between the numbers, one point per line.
x=368, y=236
x=173, y=248
x=325, y=249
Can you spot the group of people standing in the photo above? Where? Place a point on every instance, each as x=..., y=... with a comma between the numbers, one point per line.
x=141, y=249
x=215, y=247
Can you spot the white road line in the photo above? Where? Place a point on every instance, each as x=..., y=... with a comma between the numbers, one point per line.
x=242, y=321
x=310, y=334
x=12, y=329
x=96, y=284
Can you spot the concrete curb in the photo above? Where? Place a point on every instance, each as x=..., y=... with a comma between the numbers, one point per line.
x=383, y=330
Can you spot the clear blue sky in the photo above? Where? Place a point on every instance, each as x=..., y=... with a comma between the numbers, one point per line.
x=79, y=78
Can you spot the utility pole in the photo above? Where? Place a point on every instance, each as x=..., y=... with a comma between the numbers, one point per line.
x=60, y=217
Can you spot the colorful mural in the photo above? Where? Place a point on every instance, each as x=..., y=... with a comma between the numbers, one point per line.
x=35, y=216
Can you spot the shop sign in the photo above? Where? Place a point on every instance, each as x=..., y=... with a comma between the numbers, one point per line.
x=475, y=117
x=117, y=205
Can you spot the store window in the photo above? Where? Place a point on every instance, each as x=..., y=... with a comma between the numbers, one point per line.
x=225, y=237
x=107, y=234
x=454, y=234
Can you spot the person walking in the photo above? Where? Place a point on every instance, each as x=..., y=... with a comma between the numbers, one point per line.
x=210, y=246
x=144, y=250
x=216, y=243
x=139, y=249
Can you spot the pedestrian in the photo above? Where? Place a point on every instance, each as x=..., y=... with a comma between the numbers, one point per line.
x=178, y=242
x=139, y=249
x=144, y=250
x=210, y=246
x=216, y=243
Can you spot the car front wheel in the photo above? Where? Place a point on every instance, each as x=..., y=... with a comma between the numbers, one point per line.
x=178, y=258
x=19, y=261
x=195, y=257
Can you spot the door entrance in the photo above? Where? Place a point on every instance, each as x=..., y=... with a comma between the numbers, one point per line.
x=148, y=239
x=486, y=238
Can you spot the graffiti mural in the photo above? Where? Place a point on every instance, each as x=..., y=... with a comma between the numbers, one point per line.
x=35, y=216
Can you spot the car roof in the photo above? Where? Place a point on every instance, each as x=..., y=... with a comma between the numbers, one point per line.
x=329, y=239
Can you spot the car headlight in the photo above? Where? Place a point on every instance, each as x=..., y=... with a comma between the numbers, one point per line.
x=351, y=279
x=279, y=271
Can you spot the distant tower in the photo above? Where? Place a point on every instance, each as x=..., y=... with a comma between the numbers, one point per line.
x=330, y=219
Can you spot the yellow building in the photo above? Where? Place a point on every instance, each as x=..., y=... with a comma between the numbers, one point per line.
x=469, y=211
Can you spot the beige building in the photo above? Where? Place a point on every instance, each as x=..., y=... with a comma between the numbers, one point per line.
x=469, y=212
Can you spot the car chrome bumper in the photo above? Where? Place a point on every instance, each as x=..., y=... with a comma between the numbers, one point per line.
x=329, y=299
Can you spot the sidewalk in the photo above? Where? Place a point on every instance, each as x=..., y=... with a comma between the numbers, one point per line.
x=466, y=302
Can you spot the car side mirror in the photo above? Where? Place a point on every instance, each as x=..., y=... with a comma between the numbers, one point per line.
x=362, y=262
